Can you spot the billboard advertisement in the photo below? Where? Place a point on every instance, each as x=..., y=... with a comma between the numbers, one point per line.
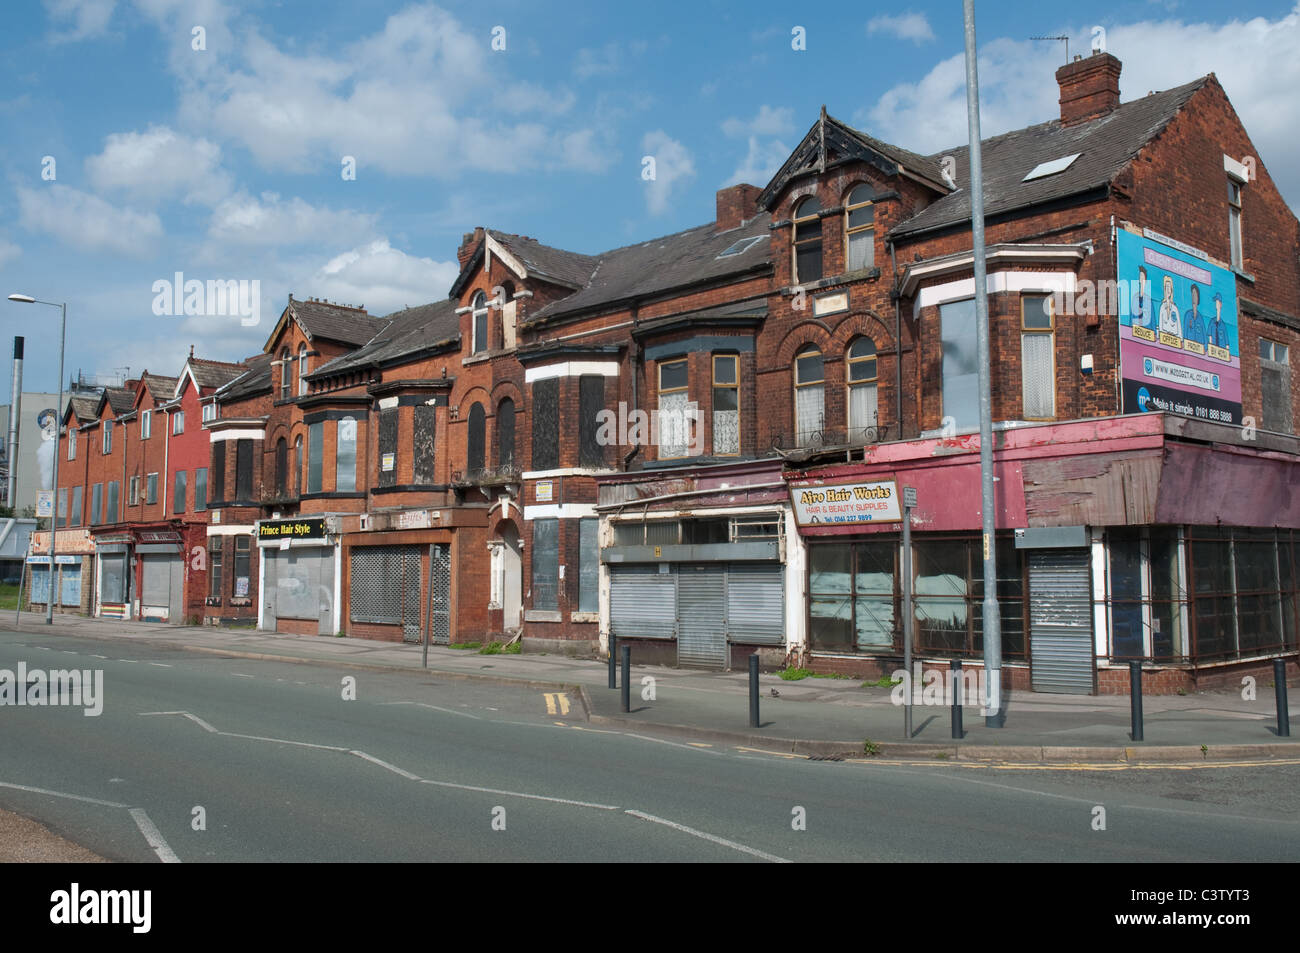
x=1178, y=324
x=851, y=501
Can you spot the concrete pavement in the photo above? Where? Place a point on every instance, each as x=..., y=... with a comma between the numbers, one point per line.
x=814, y=716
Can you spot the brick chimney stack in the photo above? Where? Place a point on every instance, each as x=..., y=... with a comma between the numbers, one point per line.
x=469, y=241
x=1089, y=88
x=736, y=205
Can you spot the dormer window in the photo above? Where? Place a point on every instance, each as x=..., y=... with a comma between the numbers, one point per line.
x=479, y=312
x=807, y=241
x=860, y=228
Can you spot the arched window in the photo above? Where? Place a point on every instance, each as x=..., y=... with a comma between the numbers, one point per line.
x=809, y=396
x=286, y=375
x=860, y=228
x=476, y=439
x=297, y=466
x=807, y=241
x=302, y=369
x=281, y=467
x=479, y=306
x=506, y=433
x=862, y=390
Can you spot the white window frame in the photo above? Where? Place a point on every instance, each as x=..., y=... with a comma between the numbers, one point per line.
x=146, y=424
x=107, y=446
x=302, y=369
x=178, y=423
x=1048, y=332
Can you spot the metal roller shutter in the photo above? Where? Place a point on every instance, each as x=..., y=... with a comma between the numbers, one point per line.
x=755, y=603
x=702, y=615
x=642, y=602
x=155, y=587
x=1060, y=621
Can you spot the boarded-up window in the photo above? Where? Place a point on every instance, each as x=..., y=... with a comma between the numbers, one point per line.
x=96, y=504
x=345, y=457
x=74, y=518
x=217, y=485
x=179, y=489
x=388, y=447
x=200, y=489
x=281, y=467
x=315, y=455
x=591, y=401
x=243, y=469
x=546, y=564
x=476, y=439
x=546, y=424
x=1275, y=382
x=506, y=433
x=588, y=567
x=422, y=444
x=110, y=510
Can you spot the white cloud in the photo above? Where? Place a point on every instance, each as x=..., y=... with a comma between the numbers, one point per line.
x=587, y=150
x=602, y=62
x=1254, y=61
x=418, y=97
x=383, y=278
x=84, y=19
x=88, y=222
x=270, y=220
x=673, y=166
x=761, y=162
x=768, y=122
x=159, y=164
x=8, y=250
x=905, y=26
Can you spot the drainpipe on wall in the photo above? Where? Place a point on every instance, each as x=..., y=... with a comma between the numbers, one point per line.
x=898, y=340
x=636, y=368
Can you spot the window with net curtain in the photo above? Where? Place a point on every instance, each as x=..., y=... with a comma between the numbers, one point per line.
x=1037, y=361
x=809, y=396
x=862, y=390
x=674, y=400
x=860, y=228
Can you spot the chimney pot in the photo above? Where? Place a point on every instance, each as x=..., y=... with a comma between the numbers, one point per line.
x=1089, y=88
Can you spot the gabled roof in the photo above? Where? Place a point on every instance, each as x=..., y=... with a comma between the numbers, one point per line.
x=213, y=373
x=1105, y=146
x=159, y=387
x=405, y=334
x=255, y=380
x=567, y=269
x=830, y=142
x=120, y=399
x=673, y=261
x=325, y=319
x=84, y=409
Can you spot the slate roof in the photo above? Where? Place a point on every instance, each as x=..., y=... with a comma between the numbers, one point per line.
x=335, y=322
x=255, y=379
x=1106, y=145
x=214, y=373
x=84, y=408
x=404, y=333
x=121, y=399
x=161, y=388
x=664, y=263
x=566, y=268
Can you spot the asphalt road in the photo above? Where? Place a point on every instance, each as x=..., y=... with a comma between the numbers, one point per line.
x=280, y=766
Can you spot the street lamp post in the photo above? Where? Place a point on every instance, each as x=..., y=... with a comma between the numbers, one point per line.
x=58, y=429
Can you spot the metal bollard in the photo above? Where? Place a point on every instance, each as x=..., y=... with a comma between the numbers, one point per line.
x=753, y=690
x=957, y=731
x=613, y=670
x=1279, y=689
x=1135, y=694
x=626, y=651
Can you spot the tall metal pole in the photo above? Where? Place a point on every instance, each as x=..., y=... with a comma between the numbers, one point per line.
x=992, y=618
x=58, y=429
x=15, y=408
x=909, y=501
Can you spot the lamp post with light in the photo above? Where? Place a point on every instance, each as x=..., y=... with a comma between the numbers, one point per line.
x=58, y=428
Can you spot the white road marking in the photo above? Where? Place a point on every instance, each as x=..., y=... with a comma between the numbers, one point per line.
x=160, y=664
x=283, y=741
x=104, y=657
x=531, y=797
x=384, y=764
x=772, y=858
x=675, y=744
x=240, y=675
x=71, y=797
x=449, y=711
x=194, y=718
x=153, y=836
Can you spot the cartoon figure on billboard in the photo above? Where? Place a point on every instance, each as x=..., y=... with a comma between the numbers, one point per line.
x=1145, y=316
x=1169, y=320
x=48, y=421
x=1219, y=327
x=1193, y=323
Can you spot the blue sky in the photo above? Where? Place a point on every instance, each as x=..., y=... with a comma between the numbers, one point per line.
x=226, y=162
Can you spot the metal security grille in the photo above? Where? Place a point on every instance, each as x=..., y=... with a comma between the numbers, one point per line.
x=411, y=564
x=643, y=601
x=755, y=603
x=156, y=587
x=440, y=572
x=1060, y=621
x=701, y=615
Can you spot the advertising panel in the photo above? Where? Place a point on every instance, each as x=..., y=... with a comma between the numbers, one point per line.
x=1177, y=329
x=853, y=501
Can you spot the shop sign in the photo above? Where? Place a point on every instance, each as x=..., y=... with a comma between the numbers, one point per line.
x=817, y=503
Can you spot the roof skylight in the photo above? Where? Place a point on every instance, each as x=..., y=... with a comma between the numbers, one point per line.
x=1051, y=167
